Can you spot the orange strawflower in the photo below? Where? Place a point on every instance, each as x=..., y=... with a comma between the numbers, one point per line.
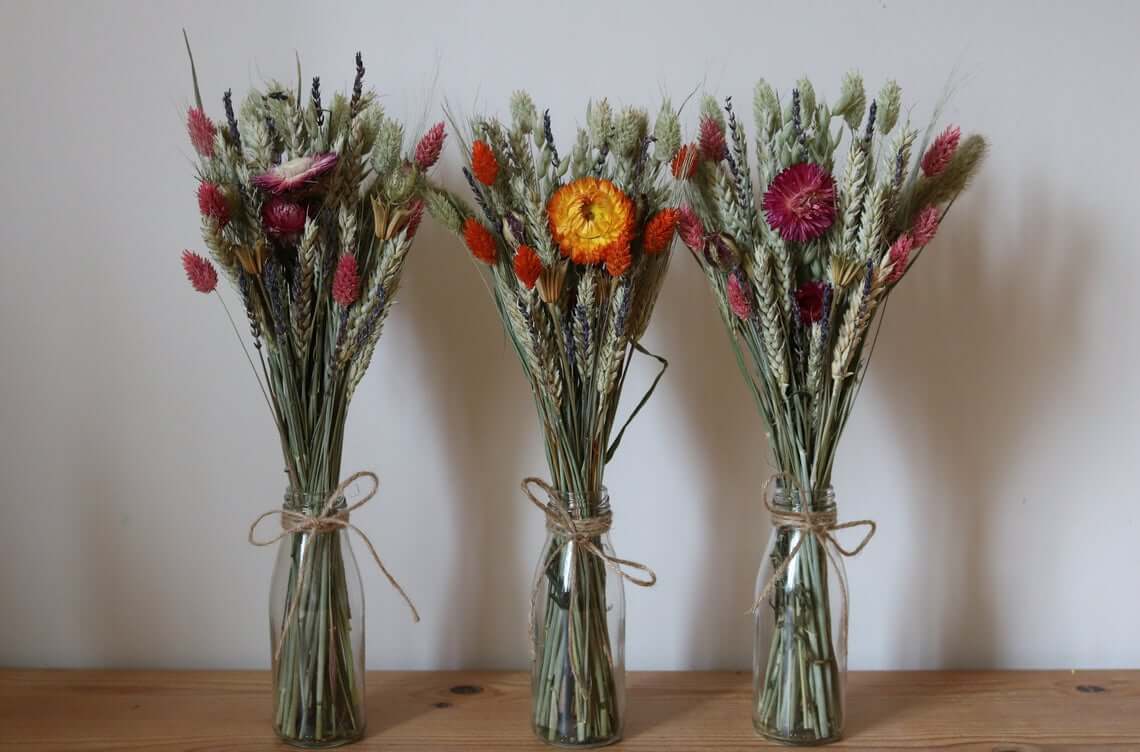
x=480, y=240
x=590, y=217
x=685, y=163
x=659, y=231
x=483, y=163
x=618, y=260
x=527, y=265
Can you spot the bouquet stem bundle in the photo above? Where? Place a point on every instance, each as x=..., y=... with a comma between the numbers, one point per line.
x=575, y=247
x=309, y=208
x=800, y=265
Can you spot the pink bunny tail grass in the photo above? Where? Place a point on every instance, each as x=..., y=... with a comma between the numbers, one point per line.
x=739, y=295
x=925, y=226
x=346, y=281
x=201, y=273
x=296, y=173
x=430, y=147
x=940, y=153
x=691, y=230
x=713, y=146
x=202, y=132
x=899, y=256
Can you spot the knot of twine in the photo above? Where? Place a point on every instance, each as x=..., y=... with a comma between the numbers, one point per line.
x=818, y=525
x=327, y=520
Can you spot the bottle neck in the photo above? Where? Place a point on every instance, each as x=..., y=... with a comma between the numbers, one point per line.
x=789, y=497
x=308, y=502
x=583, y=506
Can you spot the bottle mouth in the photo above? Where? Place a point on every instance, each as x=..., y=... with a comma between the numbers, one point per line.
x=583, y=505
x=788, y=496
x=310, y=501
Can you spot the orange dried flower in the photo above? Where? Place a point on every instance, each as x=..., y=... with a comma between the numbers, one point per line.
x=483, y=163
x=480, y=240
x=685, y=163
x=618, y=260
x=659, y=231
x=589, y=217
x=527, y=265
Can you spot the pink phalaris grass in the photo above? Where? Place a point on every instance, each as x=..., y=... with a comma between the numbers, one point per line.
x=414, y=219
x=201, y=273
x=809, y=299
x=430, y=147
x=899, y=256
x=202, y=132
x=296, y=173
x=212, y=203
x=800, y=202
x=739, y=295
x=713, y=146
x=691, y=229
x=283, y=219
x=941, y=151
x=346, y=281
x=925, y=226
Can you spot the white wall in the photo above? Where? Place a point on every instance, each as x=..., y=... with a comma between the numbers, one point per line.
x=995, y=441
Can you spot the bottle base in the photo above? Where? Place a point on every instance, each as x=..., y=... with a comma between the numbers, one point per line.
x=321, y=744
x=797, y=741
x=595, y=744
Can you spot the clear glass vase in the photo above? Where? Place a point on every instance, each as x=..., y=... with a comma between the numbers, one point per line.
x=318, y=651
x=578, y=623
x=799, y=667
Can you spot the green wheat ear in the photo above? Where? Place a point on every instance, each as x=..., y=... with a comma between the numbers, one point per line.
x=193, y=70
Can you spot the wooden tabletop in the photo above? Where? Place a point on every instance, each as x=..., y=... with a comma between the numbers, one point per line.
x=227, y=711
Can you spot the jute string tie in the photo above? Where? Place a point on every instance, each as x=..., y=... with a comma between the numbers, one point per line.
x=821, y=526
x=327, y=520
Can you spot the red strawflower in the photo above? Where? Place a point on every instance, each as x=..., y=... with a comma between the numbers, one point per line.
x=212, y=203
x=202, y=132
x=659, y=231
x=713, y=146
x=618, y=259
x=800, y=202
x=414, y=218
x=295, y=173
x=483, y=163
x=201, y=273
x=739, y=295
x=283, y=219
x=925, y=225
x=691, y=229
x=480, y=240
x=527, y=265
x=685, y=163
x=346, y=281
x=809, y=299
x=941, y=151
x=899, y=255
x=430, y=147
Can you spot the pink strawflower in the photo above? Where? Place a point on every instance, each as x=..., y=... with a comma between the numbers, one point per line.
x=295, y=173
x=713, y=146
x=925, y=225
x=414, y=218
x=899, y=255
x=941, y=151
x=201, y=273
x=346, y=281
x=212, y=203
x=739, y=295
x=691, y=229
x=430, y=147
x=283, y=219
x=202, y=132
x=800, y=202
x=809, y=299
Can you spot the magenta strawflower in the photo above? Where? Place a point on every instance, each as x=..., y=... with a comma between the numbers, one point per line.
x=800, y=202
x=212, y=203
x=430, y=147
x=739, y=295
x=201, y=273
x=713, y=146
x=941, y=151
x=283, y=219
x=202, y=132
x=346, y=281
x=925, y=225
x=809, y=299
x=899, y=255
x=296, y=173
x=691, y=229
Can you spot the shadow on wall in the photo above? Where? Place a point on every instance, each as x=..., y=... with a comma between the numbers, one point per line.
x=979, y=338
x=482, y=405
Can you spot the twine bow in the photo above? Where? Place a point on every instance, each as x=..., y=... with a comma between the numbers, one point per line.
x=818, y=525
x=327, y=520
x=583, y=533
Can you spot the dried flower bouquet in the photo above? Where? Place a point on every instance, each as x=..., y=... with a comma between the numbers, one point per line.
x=801, y=258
